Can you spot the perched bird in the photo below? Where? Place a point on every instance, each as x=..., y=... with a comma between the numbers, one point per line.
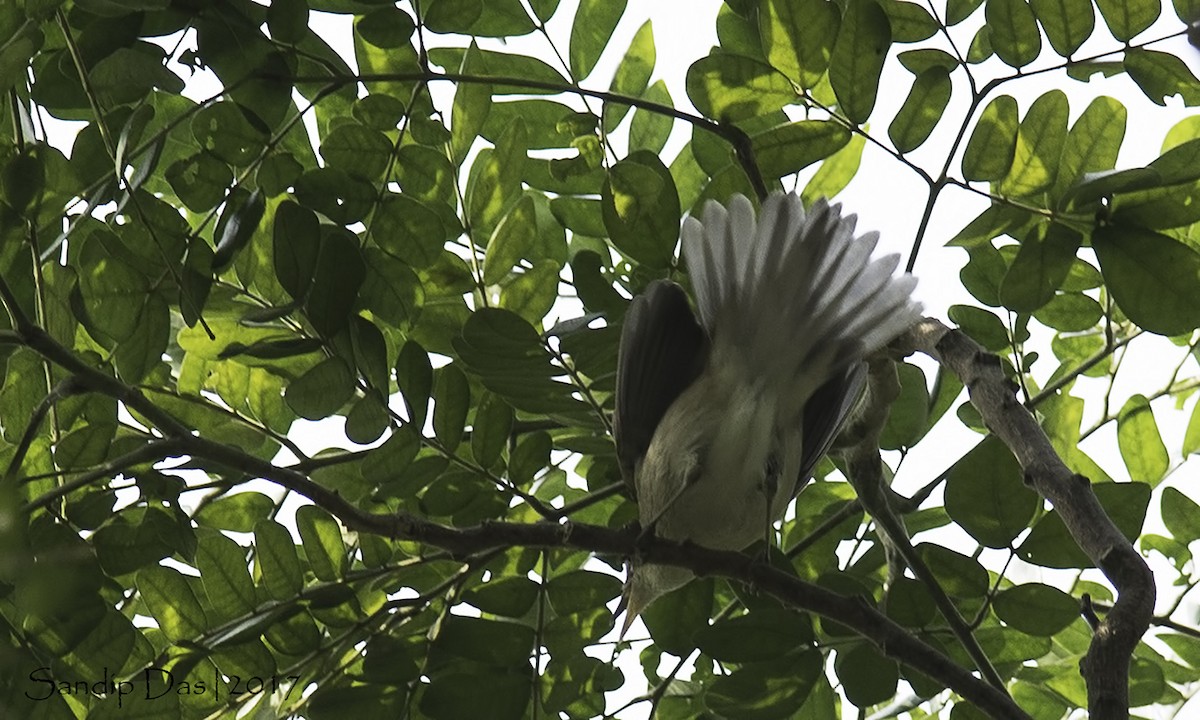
x=720, y=419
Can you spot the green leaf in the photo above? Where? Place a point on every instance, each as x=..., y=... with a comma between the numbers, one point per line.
x=1141, y=443
x=918, y=61
x=226, y=577
x=1127, y=18
x=650, y=129
x=996, y=220
x=868, y=677
x=278, y=563
x=1152, y=277
x=199, y=180
x=959, y=10
x=296, y=245
x=983, y=274
x=495, y=179
x=1040, y=267
x=339, y=274
x=641, y=209
x=1040, y=141
x=762, y=635
x=472, y=103
x=322, y=390
x=1180, y=514
x=961, y=576
x=910, y=22
x=797, y=37
x=542, y=78
x=506, y=596
x=491, y=429
x=790, y=148
x=512, y=240
x=236, y=227
x=1036, y=609
x=451, y=400
x=908, y=416
x=1068, y=23
x=1070, y=312
x=768, y=691
x=238, y=512
x=987, y=497
x=222, y=129
x=1014, y=33
x=633, y=74
x=591, y=30
x=857, y=58
x=387, y=27
x=1050, y=545
x=172, y=602
x=732, y=87
x=323, y=545
x=1161, y=75
x=835, y=172
x=1191, y=437
x=581, y=590
x=357, y=150
x=921, y=111
x=1094, y=141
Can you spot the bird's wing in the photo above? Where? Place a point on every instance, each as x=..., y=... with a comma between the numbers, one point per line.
x=824, y=414
x=663, y=350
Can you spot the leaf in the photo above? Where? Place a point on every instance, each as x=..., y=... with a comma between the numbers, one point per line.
x=649, y=128
x=451, y=400
x=632, y=76
x=472, y=103
x=1040, y=267
x=1152, y=277
x=986, y=495
x=770, y=691
x=495, y=179
x=236, y=227
x=1180, y=514
x=322, y=390
x=1040, y=141
x=909, y=21
x=339, y=275
x=1162, y=75
x=1127, y=18
x=296, y=245
x=323, y=545
x=1050, y=545
x=278, y=563
x=491, y=429
x=921, y=111
x=1036, y=609
x=835, y=172
x=868, y=677
x=1140, y=442
x=238, y=512
x=1068, y=23
x=732, y=87
x=226, y=578
x=387, y=27
x=1014, y=33
x=959, y=10
x=591, y=30
x=1070, y=312
x=1094, y=141
x=797, y=36
x=786, y=149
x=543, y=79
x=857, y=58
x=641, y=209
x=357, y=150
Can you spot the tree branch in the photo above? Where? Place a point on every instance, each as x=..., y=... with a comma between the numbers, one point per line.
x=1105, y=667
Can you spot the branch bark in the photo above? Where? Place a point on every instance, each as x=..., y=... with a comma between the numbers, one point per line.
x=1105, y=667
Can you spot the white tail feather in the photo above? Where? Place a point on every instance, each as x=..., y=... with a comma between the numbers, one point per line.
x=792, y=294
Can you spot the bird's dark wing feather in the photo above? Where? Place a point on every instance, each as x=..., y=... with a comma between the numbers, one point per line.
x=824, y=414
x=663, y=350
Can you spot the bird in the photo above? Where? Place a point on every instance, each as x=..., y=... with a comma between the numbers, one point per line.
x=722, y=413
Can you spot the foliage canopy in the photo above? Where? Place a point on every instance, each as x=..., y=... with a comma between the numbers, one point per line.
x=383, y=239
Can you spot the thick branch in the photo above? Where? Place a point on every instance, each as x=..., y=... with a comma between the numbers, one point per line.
x=1105, y=667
